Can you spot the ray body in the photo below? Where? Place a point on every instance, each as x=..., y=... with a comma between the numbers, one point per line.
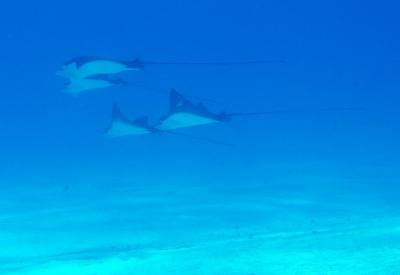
x=83, y=67
x=122, y=126
x=79, y=85
x=184, y=113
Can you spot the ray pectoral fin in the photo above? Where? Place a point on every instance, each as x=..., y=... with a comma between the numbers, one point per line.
x=183, y=120
x=120, y=129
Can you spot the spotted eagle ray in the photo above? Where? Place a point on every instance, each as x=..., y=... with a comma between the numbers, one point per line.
x=85, y=66
x=79, y=85
x=78, y=70
x=122, y=126
x=184, y=113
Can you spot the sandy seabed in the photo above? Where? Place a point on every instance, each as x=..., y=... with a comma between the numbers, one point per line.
x=233, y=232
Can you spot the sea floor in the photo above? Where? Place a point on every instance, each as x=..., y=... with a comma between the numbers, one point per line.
x=198, y=230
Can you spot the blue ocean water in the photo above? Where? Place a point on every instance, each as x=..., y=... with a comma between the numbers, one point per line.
x=301, y=193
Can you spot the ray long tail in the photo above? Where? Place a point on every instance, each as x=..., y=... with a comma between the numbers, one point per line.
x=215, y=63
x=309, y=110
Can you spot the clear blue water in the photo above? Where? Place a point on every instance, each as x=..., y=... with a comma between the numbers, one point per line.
x=309, y=193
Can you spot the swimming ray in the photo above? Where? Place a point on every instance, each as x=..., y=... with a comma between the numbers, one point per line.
x=79, y=85
x=184, y=113
x=85, y=66
x=122, y=126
